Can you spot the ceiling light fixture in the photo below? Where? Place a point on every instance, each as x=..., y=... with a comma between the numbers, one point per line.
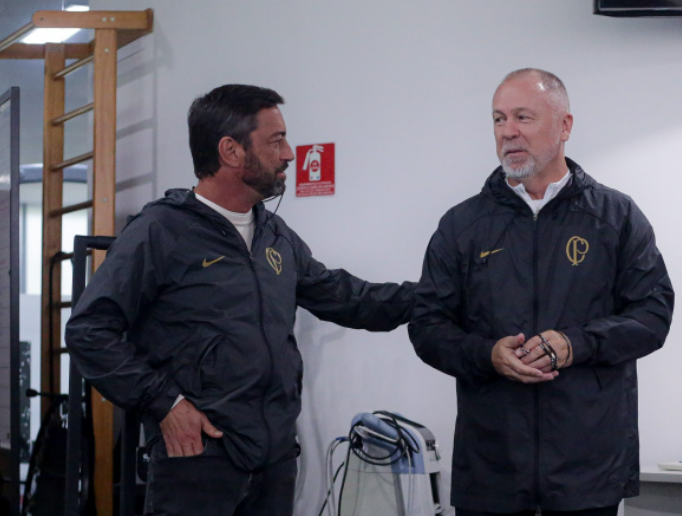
x=40, y=36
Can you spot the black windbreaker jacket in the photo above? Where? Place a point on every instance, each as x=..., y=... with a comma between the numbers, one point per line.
x=586, y=265
x=181, y=306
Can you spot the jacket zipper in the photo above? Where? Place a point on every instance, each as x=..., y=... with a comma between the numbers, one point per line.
x=268, y=449
x=261, y=325
x=536, y=387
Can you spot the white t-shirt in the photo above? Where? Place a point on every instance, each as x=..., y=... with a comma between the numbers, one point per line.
x=242, y=221
x=552, y=190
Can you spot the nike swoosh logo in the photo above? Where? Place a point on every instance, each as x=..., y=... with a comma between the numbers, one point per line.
x=486, y=253
x=208, y=264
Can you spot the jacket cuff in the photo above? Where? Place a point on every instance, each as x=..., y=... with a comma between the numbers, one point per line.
x=163, y=403
x=580, y=347
x=484, y=357
x=410, y=287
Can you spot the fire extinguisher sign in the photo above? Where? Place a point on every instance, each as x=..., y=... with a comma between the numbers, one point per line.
x=315, y=170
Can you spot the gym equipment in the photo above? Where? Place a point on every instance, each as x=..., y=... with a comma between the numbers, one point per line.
x=391, y=469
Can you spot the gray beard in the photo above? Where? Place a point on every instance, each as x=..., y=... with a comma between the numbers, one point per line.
x=524, y=172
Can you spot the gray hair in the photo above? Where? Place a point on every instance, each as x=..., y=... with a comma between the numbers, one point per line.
x=549, y=81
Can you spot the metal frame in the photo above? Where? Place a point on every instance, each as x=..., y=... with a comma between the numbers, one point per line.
x=72, y=499
x=131, y=425
x=13, y=97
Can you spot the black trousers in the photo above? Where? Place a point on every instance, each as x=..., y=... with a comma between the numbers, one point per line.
x=210, y=485
x=601, y=511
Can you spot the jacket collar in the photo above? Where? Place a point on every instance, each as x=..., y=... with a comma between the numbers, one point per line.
x=496, y=186
x=185, y=199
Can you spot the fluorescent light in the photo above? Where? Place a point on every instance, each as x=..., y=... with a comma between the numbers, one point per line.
x=40, y=36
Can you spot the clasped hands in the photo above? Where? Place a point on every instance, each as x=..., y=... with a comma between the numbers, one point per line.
x=535, y=360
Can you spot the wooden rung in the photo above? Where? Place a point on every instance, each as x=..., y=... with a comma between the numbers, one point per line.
x=31, y=51
x=16, y=35
x=61, y=351
x=63, y=304
x=70, y=209
x=72, y=114
x=73, y=66
x=132, y=20
x=23, y=51
x=73, y=161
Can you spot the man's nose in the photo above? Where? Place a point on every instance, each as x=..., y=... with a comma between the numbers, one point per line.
x=287, y=153
x=510, y=130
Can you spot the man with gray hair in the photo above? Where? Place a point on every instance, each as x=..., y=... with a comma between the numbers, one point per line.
x=538, y=295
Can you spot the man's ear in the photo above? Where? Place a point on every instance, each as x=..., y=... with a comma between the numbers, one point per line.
x=566, y=127
x=230, y=152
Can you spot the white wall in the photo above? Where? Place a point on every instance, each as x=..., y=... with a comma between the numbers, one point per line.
x=404, y=89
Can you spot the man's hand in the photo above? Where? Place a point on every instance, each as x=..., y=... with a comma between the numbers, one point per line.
x=533, y=355
x=506, y=361
x=182, y=429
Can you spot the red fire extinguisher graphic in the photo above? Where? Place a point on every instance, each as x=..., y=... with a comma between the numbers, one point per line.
x=313, y=176
x=313, y=162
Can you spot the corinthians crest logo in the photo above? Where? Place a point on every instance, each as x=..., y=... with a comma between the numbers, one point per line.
x=274, y=259
x=576, y=249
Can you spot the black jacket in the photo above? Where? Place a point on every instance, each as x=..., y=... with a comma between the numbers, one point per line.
x=181, y=306
x=587, y=265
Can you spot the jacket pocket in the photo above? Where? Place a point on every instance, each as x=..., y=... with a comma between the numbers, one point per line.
x=233, y=369
x=207, y=367
x=606, y=375
x=295, y=363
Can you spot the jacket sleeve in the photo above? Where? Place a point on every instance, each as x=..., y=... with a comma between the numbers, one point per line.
x=435, y=332
x=337, y=296
x=643, y=300
x=119, y=292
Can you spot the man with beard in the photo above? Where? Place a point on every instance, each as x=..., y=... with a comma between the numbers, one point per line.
x=538, y=295
x=190, y=318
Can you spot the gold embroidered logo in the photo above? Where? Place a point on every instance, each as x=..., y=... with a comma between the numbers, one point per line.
x=486, y=253
x=576, y=249
x=274, y=259
x=206, y=263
